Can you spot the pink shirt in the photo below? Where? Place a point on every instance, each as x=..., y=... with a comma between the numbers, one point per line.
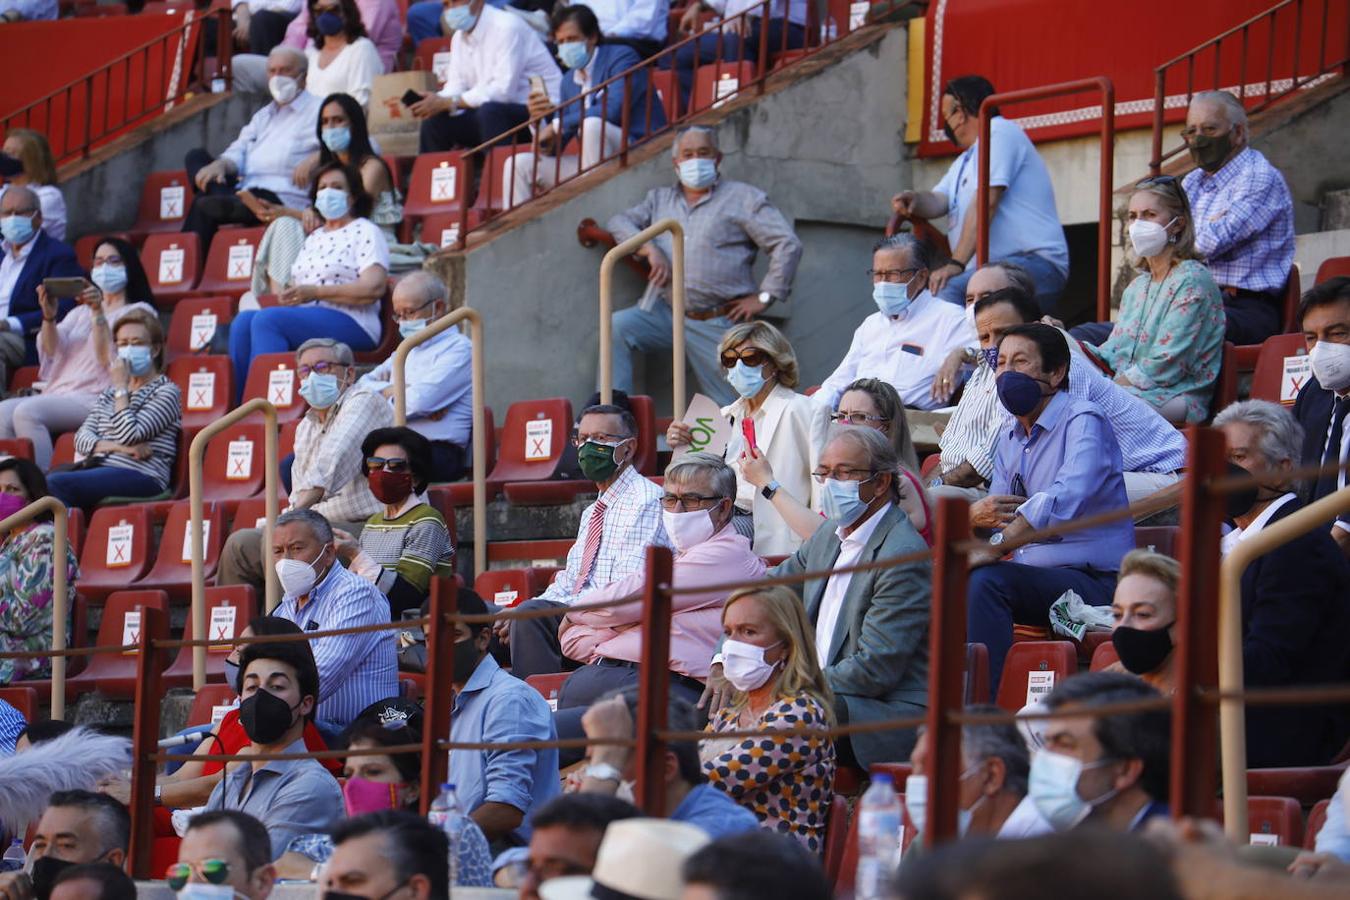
x=75, y=368
x=384, y=26
x=696, y=620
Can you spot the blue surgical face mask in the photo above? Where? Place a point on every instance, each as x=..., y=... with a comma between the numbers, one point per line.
x=17, y=229
x=1053, y=787
x=459, y=18
x=137, y=358
x=232, y=674
x=320, y=390
x=746, y=380
x=332, y=203
x=990, y=355
x=698, y=173
x=1018, y=392
x=338, y=138
x=109, y=279
x=574, y=54
x=408, y=327
x=839, y=500
x=892, y=298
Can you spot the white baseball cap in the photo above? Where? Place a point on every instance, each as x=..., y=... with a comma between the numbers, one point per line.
x=638, y=858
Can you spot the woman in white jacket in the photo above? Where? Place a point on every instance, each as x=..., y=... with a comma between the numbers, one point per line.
x=789, y=430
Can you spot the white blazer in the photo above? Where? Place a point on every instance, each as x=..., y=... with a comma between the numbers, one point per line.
x=790, y=432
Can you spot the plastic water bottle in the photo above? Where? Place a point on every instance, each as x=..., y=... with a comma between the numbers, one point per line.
x=14, y=858
x=878, y=839
x=447, y=815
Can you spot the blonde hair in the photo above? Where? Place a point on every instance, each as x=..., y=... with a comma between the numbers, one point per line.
x=35, y=154
x=1155, y=565
x=801, y=672
x=1168, y=190
x=153, y=330
x=771, y=341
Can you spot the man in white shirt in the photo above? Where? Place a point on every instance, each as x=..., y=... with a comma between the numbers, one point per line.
x=641, y=24
x=1024, y=224
x=907, y=340
x=438, y=375
x=493, y=56
x=256, y=173
x=259, y=25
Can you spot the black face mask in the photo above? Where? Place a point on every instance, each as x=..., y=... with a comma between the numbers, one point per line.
x=1238, y=502
x=951, y=135
x=265, y=717
x=1142, y=651
x=466, y=660
x=45, y=871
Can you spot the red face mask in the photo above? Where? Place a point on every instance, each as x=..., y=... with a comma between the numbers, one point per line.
x=390, y=488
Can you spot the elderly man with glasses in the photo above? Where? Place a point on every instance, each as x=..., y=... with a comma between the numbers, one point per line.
x=325, y=473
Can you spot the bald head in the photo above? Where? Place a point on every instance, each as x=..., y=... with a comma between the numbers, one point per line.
x=285, y=60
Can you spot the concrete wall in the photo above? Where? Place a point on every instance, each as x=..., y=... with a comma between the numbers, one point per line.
x=828, y=151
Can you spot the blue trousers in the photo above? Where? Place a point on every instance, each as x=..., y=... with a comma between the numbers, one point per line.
x=1049, y=281
x=644, y=332
x=1005, y=593
x=733, y=48
x=86, y=488
x=282, y=328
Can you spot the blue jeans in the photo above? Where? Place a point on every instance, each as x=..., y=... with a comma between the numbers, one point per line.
x=279, y=329
x=1006, y=592
x=1049, y=282
x=644, y=332
x=704, y=51
x=86, y=488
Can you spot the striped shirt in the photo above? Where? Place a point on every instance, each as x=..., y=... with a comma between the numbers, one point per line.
x=328, y=455
x=415, y=545
x=355, y=670
x=1244, y=222
x=152, y=416
x=632, y=524
x=12, y=724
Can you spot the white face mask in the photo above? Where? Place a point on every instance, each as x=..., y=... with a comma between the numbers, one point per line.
x=916, y=803
x=194, y=890
x=1149, y=238
x=1053, y=787
x=687, y=529
x=297, y=578
x=283, y=88
x=743, y=665
x=1331, y=365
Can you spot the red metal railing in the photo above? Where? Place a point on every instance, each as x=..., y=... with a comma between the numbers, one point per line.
x=1278, y=52
x=1099, y=85
x=132, y=89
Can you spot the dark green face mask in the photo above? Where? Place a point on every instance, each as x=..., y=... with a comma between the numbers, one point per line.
x=1209, y=153
x=597, y=460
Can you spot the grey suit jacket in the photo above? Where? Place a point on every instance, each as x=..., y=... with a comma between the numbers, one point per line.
x=879, y=654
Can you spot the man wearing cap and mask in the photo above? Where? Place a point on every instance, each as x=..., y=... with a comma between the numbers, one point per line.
x=77, y=827
x=279, y=690
x=1243, y=215
x=1323, y=404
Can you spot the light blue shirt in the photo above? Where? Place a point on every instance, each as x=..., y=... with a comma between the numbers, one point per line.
x=1148, y=442
x=12, y=723
x=1026, y=220
x=1068, y=468
x=273, y=143
x=439, y=379
x=714, y=812
x=642, y=19
x=31, y=10
x=1334, y=838
x=496, y=707
x=355, y=670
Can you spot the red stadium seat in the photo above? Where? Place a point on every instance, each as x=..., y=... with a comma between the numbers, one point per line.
x=425, y=56
x=667, y=94
x=117, y=550
x=1052, y=661
x=20, y=447
x=977, y=674
x=75, y=529
x=24, y=699
x=899, y=773
x=1306, y=784
x=238, y=605
x=717, y=82
x=205, y=702
x=22, y=377
x=172, y=572
x=1225, y=386
x=233, y=465
x=114, y=674
x=440, y=183
x=836, y=837
x=389, y=336
x=505, y=587
x=1159, y=538
x=1317, y=817
x=1282, y=368
x=440, y=501
x=644, y=410
x=1104, y=657
x=442, y=229
x=286, y=438
x=173, y=263
x=63, y=450
x=165, y=198
x=196, y=323
x=1333, y=267
x=1276, y=820
x=549, y=686
x=460, y=493
x=412, y=685
x=272, y=377
x=532, y=442
x=252, y=511
x=207, y=387
x=229, y=262
x=494, y=192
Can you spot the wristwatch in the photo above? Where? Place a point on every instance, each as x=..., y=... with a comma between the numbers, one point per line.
x=766, y=298
x=121, y=393
x=996, y=539
x=604, y=772
x=770, y=489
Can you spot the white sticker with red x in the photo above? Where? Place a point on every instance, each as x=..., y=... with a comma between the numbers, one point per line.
x=171, y=265
x=281, y=386
x=201, y=390
x=240, y=263
x=187, y=541
x=131, y=627
x=1295, y=376
x=239, y=461
x=119, y=545
x=538, y=439
x=203, y=330
x=171, y=202
x=222, y=626
x=443, y=181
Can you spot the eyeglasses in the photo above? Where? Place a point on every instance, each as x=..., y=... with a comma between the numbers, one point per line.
x=895, y=276
x=599, y=437
x=754, y=357
x=685, y=502
x=321, y=368
x=212, y=871
x=108, y=261
x=405, y=316
x=862, y=476
x=376, y=463
x=857, y=418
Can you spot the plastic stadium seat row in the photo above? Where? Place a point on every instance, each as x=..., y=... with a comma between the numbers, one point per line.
x=1032, y=669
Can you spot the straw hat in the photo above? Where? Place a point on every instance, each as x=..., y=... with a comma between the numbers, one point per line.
x=638, y=858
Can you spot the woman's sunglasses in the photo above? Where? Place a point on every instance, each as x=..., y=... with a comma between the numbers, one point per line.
x=752, y=358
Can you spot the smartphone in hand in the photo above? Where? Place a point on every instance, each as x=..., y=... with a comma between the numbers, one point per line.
x=748, y=431
x=537, y=85
x=410, y=97
x=64, y=288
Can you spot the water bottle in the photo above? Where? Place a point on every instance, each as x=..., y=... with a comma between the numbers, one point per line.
x=878, y=839
x=447, y=815
x=14, y=858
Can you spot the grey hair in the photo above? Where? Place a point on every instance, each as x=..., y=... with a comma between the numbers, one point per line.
x=318, y=525
x=431, y=287
x=340, y=350
x=1233, y=109
x=720, y=474
x=880, y=451
x=297, y=57
x=920, y=252
x=1018, y=276
x=694, y=129
x=1281, y=434
x=1001, y=740
x=20, y=191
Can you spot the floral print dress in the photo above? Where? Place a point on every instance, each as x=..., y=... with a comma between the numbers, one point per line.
x=785, y=781
x=1168, y=340
x=26, y=598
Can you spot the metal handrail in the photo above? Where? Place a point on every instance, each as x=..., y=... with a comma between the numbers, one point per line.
x=1232, y=712
x=270, y=459
x=1100, y=84
x=479, y=436
x=618, y=252
x=60, y=587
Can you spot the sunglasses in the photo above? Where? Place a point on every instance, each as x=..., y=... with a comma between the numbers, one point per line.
x=752, y=358
x=375, y=463
x=212, y=871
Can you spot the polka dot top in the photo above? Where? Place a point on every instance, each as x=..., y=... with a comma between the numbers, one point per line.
x=786, y=781
x=339, y=257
